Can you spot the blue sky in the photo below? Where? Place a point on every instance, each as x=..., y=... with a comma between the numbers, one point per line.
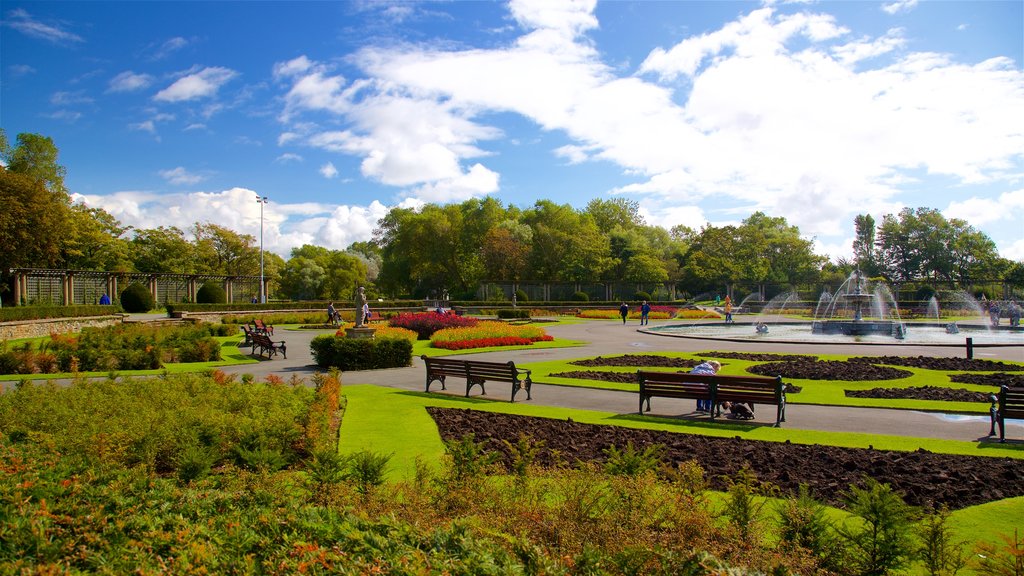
x=168, y=113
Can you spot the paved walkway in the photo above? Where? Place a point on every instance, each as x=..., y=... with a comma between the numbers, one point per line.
x=611, y=338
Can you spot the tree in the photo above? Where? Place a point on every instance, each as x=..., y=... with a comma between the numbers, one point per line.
x=35, y=156
x=505, y=251
x=93, y=240
x=617, y=212
x=302, y=278
x=32, y=219
x=864, y=244
x=162, y=249
x=223, y=251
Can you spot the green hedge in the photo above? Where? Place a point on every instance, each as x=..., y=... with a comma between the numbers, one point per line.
x=331, y=351
x=303, y=305
x=513, y=313
x=44, y=312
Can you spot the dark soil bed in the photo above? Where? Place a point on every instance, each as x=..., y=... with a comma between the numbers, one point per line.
x=923, y=478
x=828, y=370
x=945, y=364
x=759, y=357
x=921, y=393
x=997, y=379
x=602, y=375
x=638, y=360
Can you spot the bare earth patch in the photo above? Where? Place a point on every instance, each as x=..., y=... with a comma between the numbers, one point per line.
x=922, y=477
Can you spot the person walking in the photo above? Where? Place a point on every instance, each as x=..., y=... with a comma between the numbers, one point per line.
x=645, y=310
x=728, y=310
x=624, y=311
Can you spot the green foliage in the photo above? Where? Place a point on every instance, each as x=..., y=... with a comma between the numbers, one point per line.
x=211, y=293
x=641, y=295
x=938, y=551
x=524, y=453
x=137, y=298
x=522, y=296
x=513, y=313
x=467, y=459
x=195, y=462
x=1005, y=561
x=15, y=313
x=581, y=297
x=879, y=540
x=632, y=461
x=360, y=353
x=367, y=469
x=803, y=524
x=744, y=510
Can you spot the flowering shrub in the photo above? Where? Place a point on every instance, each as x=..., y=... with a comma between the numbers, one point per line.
x=486, y=334
x=384, y=331
x=657, y=313
x=698, y=314
x=424, y=324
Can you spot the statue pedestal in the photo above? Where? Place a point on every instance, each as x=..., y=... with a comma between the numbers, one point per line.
x=361, y=332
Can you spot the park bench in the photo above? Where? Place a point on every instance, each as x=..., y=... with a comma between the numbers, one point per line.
x=262, y=328
x=267, y=346
x=476, y=373
x=1009, y=403
x=248, y=335
x=716, y=388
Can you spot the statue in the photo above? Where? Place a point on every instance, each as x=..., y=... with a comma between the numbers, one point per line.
x=361, y=308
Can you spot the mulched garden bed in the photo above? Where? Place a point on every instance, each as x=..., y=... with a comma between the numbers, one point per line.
x=997, y=379
x=922, y=393
x=829, y=370
x=638, y=360
x=602, y=375
x=922, y=477
x=945, y=364
x=759, y=357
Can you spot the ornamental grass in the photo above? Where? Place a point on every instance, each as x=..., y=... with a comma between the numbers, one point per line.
x=486, y=334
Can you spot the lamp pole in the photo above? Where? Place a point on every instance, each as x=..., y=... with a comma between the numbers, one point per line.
x=261, y=200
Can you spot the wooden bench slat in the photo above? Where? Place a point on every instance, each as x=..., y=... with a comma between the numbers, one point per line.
x=1009, y=403
x=715, y=388
x=477, y=373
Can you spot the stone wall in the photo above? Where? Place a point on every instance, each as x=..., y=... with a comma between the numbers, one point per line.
x=36, y=328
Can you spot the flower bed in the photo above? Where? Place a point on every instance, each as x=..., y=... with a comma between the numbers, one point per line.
x=486, y=334
x=425, y=324
x=657, y=313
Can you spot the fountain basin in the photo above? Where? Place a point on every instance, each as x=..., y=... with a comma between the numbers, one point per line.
x=858, y=328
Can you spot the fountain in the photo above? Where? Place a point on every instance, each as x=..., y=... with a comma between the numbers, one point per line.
x=860, y=312
x=850, y=300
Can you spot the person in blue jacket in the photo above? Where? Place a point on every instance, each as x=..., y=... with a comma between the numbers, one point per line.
x=709, y=368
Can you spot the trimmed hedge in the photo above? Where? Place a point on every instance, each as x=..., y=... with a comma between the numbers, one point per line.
x=513, y=313
x=211, y=293
x=330, y=351
x=302, y=305
x=137, y=298
x=15, y=313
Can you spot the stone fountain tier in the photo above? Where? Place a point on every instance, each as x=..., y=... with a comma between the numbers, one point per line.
x=858, y=326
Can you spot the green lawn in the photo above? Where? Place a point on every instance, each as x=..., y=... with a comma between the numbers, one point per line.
x=395, y=422
x=814, y=391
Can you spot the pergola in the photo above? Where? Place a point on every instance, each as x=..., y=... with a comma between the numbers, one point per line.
x=68, y=287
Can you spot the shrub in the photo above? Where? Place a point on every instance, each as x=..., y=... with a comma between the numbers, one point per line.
x=580, y=297
x=424, y=324
x=513, y=313
x=367, y=469
x=359, y=353
x=521, y=296
x=881, y=540
x=136, y=298
x=641, y=295
x=633, y=462
x=939, y=552
x=211, y=293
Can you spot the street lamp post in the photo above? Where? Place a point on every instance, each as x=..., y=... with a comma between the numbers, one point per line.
x=261, y=200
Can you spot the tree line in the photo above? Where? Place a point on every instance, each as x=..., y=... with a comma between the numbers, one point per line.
x=456, y=247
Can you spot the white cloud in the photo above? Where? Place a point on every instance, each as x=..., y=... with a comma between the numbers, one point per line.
x=169, y=47
x=328, y=171
x=288, y=157
x=129, y=81
x=17, y=70
x=22, y=21
x=181, y=176
x=202, y=84
x=980, y=211
x=899, y=6
x=285, y=226
x=144, y=126
x=781, y=113
x=70, y=98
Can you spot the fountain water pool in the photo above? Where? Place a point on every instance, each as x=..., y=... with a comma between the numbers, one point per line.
x=800, y=332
